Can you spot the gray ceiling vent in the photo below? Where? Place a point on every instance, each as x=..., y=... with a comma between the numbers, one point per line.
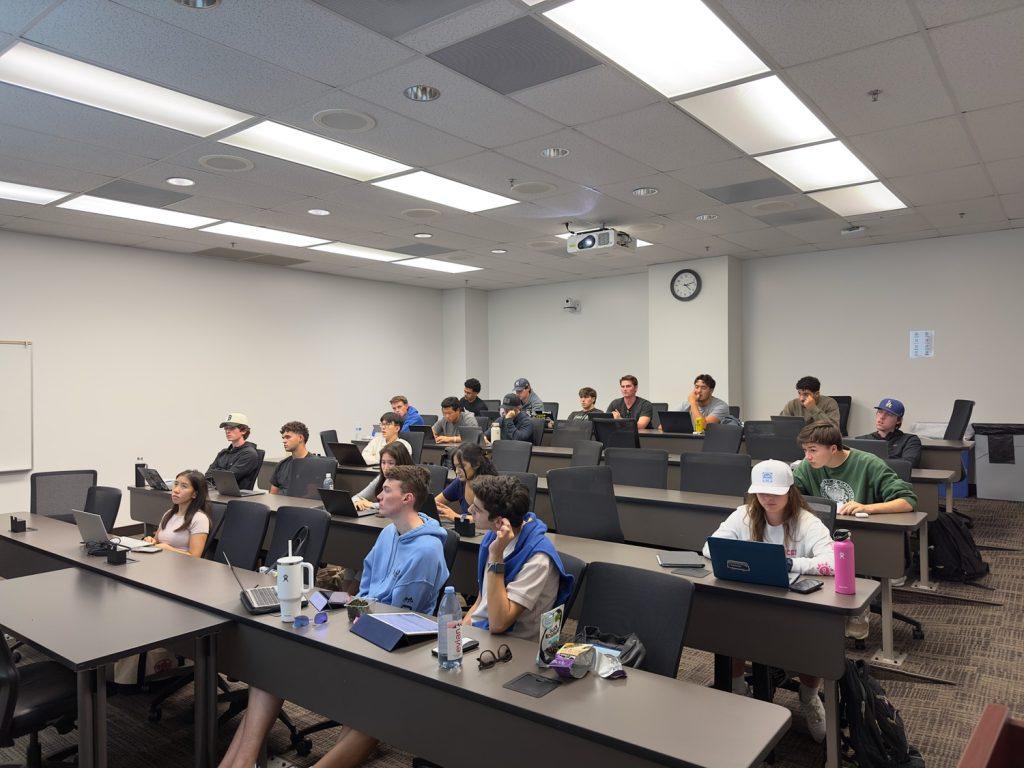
x=750, y=190
x=140, y=194
x=393, y=18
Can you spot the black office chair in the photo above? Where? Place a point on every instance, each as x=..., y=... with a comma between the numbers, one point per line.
x=787, y=426
x=656, y=606
x=646, y=467
x=471, y=434
x=551, y=409
x=762, y=447
x=429, y=419
x=328, y=436
x=529, y=480
x=415, y=441
x=583, y=503
x=567, y=434
x=616, y=433
x=824, y=509
x=493, y=405
x=656, y=418
x=734, y=411
x=959, y=420
x=248, y=482
x=308, y=476
x=539, y=425
x=438, y=478
x=511, y=455
x=99, y=500
x=575, y=568
x=757, y=428
x=451, y=551
x=722, y=438
x=586, y=453
x=845, y=403
x=32, y=698
x=57, y=493
x=903, y=469
x=724, y=473
x=878, y=447
x=484, y=423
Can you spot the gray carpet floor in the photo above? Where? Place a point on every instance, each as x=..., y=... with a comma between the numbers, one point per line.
x=977, y=648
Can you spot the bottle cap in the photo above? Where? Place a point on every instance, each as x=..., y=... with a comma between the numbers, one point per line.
x=449, y=590
x=840, y=534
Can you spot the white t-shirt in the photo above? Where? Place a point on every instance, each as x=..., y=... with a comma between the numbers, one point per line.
x=169, y=534
x=810, y=546
x=534, y=588
x=371, y=453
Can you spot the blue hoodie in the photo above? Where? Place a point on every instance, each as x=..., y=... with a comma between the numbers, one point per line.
x=407, y=570
x=412, y=419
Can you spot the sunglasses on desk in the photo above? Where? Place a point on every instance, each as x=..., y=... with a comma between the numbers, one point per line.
x=301, y=621
x=489, y=658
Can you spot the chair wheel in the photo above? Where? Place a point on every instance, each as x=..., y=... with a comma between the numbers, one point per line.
x=155, y=715
x=303, y=747
x=859, y=645
x=918, y=634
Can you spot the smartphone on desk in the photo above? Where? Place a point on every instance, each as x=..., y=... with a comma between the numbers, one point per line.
x=468, y=644
x=806, y=586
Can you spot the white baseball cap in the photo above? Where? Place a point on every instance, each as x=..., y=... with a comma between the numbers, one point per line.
x=235, y=420
x=772, y=477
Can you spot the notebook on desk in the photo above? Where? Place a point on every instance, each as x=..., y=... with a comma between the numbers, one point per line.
x=754, y=562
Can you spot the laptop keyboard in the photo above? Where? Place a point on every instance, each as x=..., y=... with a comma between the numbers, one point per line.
x=263, y=597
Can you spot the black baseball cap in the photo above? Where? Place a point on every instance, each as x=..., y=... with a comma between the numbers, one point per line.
x=511, y=400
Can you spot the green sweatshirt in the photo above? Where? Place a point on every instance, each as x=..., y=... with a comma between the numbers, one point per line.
x=863, y=477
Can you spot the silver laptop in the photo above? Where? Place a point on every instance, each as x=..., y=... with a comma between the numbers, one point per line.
x=227, y=485
x=94, y=532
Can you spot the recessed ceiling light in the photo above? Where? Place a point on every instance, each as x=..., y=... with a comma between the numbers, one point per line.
x=178, y=181
x=422, y=93
x=532, y=187
x=276, y=140
x=347, y=120
x=706, y=216
x=552, y=153
x=645, y=191
x=420, y=213
x=863, y=198
x=818, y=167
x=498, y=250
x=57, y=75
x=265, y=234
x=318, y=212
x=759, y=116
x=357, y=251
x=437, y=266
x=105, y=207
x=423, y=235
x=24, y=194
x=675, y=46
x=437, y=189
x=226, y=163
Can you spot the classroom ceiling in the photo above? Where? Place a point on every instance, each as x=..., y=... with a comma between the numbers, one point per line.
x=945, y=133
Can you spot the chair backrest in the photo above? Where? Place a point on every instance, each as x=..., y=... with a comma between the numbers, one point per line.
x=103, y=501
x=240, y=533
x=656, y=606
x=248, y=482
x=492, y=415
x=530, y=481
x=758, y=428
x=57, y=493
x=451, y=550
x=569, y=433
x=429, y=419
x=656, y=418
x=787, y=426
x=773, y=447
x=471, y=434
x=9, y=684
x=552, y=409
x=824, y=509
x=959, y=419
x=511, y=455
x=734, y=411
x=438, y=478
x=575, y=568
x=308, y=476
x=306, y=527
x=328, y=436
x=844, y=417
x=901, y=467
x=586, y=453
x=646, y=467
x=583, y=503
x=415, y=441
x=722, y=438
x=493, y=405
x=617, y=433
x=484, y=423
x=723, y=473
x=538, y=430
x=878, y=447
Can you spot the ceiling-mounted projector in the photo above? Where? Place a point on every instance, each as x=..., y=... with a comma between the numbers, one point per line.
x=600, y=240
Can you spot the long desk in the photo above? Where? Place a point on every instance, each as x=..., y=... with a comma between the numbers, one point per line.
x=405, y=699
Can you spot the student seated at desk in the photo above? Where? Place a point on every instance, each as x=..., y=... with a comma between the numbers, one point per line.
x=390, y=425
x=469, y=462
x=240, y=457
x=519, y=573
x=393, y=455
x=588, y=409
x=529, y=400
x=185, y=527
x=294, y=436
x=405, y=569
x=774, y=512
x=453, y=416
x=516, y=423
x=811, y=404
x=631, y=405
x=408, y=415
x=888, y=420
x=702, y=403
x=471, y=397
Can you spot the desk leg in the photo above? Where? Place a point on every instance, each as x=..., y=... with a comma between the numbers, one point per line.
x=831, y=724
x=887, y=657
x=92, y=718
x=723, y=672
x=922, y=538
x=206, y=701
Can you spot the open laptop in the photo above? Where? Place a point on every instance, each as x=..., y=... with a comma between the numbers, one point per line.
x=347, y=454
x=755, y=562
x=256, y=600
x=428, y=432
x=153, y=479
x=227, y=485
x=95, y=532
x=675, y=421
x=339, y=504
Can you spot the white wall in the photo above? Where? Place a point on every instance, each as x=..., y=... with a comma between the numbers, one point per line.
x=845, y=316
x=465, y=340
x=558, y=351
x=140, y=353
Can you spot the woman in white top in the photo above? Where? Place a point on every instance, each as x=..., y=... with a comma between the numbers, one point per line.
x=390, y=425
x=392, y=455
x=775, y=513
x=185, y=527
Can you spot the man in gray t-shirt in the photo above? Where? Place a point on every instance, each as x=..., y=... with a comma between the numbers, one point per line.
x=453, y=416
x=702, y=402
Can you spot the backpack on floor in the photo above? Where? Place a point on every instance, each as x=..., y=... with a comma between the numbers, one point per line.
x=952, y=553
x=872, y=733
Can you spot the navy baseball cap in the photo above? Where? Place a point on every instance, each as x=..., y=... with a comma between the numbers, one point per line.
x=521, y=384
x=895, y=407
x=511, y=400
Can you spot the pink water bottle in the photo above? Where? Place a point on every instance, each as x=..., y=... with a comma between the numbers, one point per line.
x=842, y=548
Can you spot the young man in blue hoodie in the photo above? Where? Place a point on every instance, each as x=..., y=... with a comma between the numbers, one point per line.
x=406, y=569
x=408, y=414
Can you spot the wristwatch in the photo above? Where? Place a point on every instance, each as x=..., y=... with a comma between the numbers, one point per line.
x=496, y=568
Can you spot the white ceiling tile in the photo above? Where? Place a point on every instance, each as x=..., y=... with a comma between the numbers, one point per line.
x=465, y=109
x=929, y=146
x=902, y=223
x=587, y=96
x=729, y=220
x=588, y=163
x=723, y=173
x=461, y=25
x=964, y=213
x=673, y=196
x=939, y=12
x=491, y=171
x=824, y=231
x=764, y=239
x=943, y=186
x=74, y=232
x=982, y=59
x=536, y=218
x=972, y=229
x=35, y=174
x=215, y=209
x=711, y=246
x=777, y=204
x=1013, y=205
x=16, y=208
x=587, y=209
x=998, y=131
x=661, y=136
x=213, y=185
x=135, y=44
x=167, y=244
x=1007, y=175
x=40, y=147
x=484, y=227
x=794, y=32
x=902, y=69
x=15, y=15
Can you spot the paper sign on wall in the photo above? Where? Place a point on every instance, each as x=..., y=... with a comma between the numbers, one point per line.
x=922, y=344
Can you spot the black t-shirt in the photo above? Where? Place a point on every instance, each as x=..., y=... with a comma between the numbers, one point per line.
x=285, y=471
x=640, y=408
x=477, y=407
x=582, y=415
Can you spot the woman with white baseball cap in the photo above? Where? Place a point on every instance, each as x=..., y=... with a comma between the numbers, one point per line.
x=774, y=512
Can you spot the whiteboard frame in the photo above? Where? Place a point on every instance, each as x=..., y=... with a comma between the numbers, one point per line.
x=31, y=407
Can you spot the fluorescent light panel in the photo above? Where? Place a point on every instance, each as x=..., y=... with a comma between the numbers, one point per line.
x=437, y=266
x=276, y=140
x=818, y=167
x=105, y=207
x=436, y=189
x=265, y=234
x=357, y=251
x=759, y=116
x=675, y=46
x=863, y=198
x=66, y=78
x=24, y=194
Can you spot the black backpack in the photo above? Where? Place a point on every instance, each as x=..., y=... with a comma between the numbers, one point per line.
x=952, y=553
x=872, y=733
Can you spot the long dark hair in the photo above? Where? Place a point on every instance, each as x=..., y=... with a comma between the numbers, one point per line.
x=198, y=504
x=400, y=454
x=757, y=519
x=473, y=455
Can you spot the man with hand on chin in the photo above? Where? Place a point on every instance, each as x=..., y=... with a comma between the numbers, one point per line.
x=702, y=402
x=811, y=404
x=516, y=423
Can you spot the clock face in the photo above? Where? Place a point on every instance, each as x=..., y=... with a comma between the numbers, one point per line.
x=685, y=285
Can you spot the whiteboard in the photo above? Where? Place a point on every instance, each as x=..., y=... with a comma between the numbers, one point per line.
x=15, y=406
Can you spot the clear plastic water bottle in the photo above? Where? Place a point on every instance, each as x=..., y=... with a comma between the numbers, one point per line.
x=449, y=631
x=359, y=433
x=328, y=483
